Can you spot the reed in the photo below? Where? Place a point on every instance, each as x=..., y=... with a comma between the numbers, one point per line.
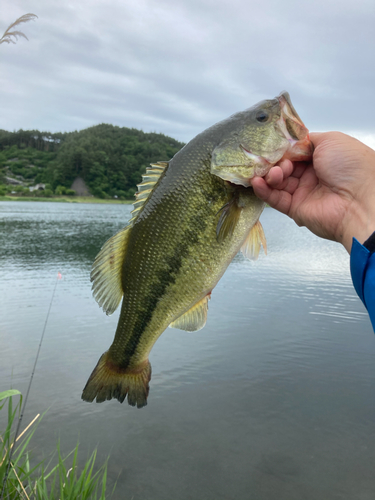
x=10, y=36
x=57, y=479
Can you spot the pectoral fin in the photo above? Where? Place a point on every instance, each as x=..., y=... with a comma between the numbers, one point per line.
x=195, y=318
x=230, y=214
x=255, y=239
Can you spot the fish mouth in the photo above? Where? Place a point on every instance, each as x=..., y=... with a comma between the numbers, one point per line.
x=290, y=127
x=294, y=130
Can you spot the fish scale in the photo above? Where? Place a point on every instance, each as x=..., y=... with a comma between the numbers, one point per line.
x=186, y=229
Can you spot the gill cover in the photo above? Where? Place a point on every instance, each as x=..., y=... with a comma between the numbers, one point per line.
x=259, y=138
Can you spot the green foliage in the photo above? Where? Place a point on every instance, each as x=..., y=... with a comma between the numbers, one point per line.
x=41, y=141
x=19, y=189
x=99, y=193
x=60, y=190
x=131, y=193
x=110, y=159
x=60, y=481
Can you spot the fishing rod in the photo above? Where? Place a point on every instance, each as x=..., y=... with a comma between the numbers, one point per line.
x=27, y=393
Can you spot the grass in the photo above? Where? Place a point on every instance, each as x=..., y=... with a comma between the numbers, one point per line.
x=66, y=199
x=64, y=480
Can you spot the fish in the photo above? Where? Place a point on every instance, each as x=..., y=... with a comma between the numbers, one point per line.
x=191, y=216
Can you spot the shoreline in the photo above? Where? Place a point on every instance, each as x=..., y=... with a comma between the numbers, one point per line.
x=67, y=199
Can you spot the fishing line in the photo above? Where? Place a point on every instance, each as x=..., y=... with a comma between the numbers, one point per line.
x=27, y=393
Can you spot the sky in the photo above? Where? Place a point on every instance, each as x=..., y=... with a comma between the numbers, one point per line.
x=179, y=66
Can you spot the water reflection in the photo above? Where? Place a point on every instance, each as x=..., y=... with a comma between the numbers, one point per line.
x=54, y=233
x=273, y=400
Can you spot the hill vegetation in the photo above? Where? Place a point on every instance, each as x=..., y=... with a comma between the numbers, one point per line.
x=108, y=158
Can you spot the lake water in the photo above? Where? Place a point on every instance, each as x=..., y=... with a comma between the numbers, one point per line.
x=274, y=399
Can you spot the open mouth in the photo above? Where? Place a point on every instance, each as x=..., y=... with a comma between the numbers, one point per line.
x=294, y=130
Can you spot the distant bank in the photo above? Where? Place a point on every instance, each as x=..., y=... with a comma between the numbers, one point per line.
x=67, y=199
x=104, y=161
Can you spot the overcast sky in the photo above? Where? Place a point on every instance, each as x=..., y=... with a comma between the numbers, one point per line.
x=179, y=66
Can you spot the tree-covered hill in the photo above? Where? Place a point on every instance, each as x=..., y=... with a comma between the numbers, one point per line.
x=110, y=159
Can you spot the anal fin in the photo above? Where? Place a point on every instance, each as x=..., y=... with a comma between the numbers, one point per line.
x=195, y=318
x=254, y=240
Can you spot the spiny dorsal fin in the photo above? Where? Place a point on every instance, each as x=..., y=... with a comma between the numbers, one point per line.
x=230, y=214
x=150, y=178
x=195, y=318
x=106, y=272
x=254, y=240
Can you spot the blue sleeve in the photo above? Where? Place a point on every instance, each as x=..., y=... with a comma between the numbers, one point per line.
x=362, y=268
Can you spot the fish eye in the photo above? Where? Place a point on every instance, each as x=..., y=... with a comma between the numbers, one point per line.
x=262, y=116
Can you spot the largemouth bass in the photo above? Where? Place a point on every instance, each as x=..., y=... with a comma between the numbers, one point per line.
x=191, y=217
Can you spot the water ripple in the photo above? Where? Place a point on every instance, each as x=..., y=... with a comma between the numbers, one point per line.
x=275, y=396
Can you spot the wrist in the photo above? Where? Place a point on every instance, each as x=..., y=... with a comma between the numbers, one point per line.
x=360, y=226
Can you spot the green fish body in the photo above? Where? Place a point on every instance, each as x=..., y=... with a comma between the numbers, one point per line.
x=187, y=226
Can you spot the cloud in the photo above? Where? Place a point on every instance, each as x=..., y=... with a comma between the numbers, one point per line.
x=177, y=67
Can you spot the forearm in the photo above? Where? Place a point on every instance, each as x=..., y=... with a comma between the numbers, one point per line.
x=360, y=216
x=359, y=224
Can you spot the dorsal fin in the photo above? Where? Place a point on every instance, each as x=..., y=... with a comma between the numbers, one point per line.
x=254, y=240
x=195, y=318
x=150, y=178
x=106, y=272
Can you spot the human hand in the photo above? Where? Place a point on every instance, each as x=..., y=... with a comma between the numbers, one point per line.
x=333, y=195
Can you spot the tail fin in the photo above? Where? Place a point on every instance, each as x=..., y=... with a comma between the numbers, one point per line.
x=109, y=381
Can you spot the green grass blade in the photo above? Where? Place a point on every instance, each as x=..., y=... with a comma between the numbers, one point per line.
x=64, y=480
x=9, y=393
